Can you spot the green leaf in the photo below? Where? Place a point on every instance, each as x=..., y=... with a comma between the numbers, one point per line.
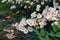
x=39, y=35
x=42, y=32
x=52, y=32
x=55, y=28
x=46, y=37
x=58, y=33
x=52, y=35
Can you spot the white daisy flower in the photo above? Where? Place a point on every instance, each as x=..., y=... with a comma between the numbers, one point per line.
x=13, y=7
x=31, y=3
x=54, y=14
x=3, y=20
x=31, y=22
x=22, y=29
x=56, y=23
x=42, y=3
x=4, y=1
x=49, y=13
x=48, y=17
x=44, y=13
x=37, y=9
x=53, y=18
x=42, y=23
x=30, y=29
x=23, y=22
x=50, y=8
x=52, y=24
x=33, y=14
x=38, y=6
x=54, y=9
x=25, y=7
x=26, y=31
x=39, y=15
x=20, y=24
x=58, y=14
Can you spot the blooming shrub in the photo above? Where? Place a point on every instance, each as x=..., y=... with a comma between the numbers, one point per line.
x=33, y=19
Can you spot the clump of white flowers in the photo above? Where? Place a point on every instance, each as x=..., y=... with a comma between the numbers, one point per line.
x=13, y=7
x=38, y=20
x=50, y=13
x=20, y=26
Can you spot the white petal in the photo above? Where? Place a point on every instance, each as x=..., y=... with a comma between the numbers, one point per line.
x=13, y=7
x=4, y=1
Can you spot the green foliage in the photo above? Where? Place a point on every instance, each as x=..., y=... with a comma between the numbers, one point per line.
x=42, y=32
x=55, y=28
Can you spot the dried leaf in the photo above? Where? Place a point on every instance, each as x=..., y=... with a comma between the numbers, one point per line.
x=10, y=35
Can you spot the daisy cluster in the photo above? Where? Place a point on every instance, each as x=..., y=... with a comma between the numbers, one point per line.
x=38, y=20
x=51, y=13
